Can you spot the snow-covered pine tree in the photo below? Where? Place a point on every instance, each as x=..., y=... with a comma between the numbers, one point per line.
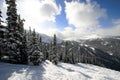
x=40, y=43
x=66, y=50
x=22, y=36
x=0, y=34
x=78, y=54
x=60, y=50
x=29, y=41
x=12, y=14
x=46, y=51
x=3, y=32
x=15, y=36
x=20, y=24
x=54, y=52
x=72, y=60
x=35, y=57
x=0, y=16
x=50, y=51
x=23, y=49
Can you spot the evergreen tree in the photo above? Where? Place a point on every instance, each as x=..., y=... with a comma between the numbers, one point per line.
x=54, y=52
x=60, y=51
x=22, y=38
x=3, y=32
x=66, y=52
x=0, y=35
x=0, y=17
x=29, y=40
x=36, y=56
x=40, y=43
x=12, y=15
x=15, y=35
x=50, y=53
x=20, y=24
x=23, y=49
x=72, y=58
x=45, y=51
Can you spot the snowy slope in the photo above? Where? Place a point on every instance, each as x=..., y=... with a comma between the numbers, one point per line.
x=63, y=71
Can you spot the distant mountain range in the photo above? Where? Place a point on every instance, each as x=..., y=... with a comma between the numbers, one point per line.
x=104, y=51
x=109, y=44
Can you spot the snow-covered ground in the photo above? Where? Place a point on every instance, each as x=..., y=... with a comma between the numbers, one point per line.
x=63, y=71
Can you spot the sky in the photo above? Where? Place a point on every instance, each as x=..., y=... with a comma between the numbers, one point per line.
x=70, y=19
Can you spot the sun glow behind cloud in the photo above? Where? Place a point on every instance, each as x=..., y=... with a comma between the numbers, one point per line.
x=39, y=14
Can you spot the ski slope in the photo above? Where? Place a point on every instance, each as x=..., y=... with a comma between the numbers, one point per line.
x=63, y=71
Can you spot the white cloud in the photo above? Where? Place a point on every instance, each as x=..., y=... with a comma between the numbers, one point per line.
x=39, y=14
x=49, y=10
x=84, y=15
x=112, y=31
x=40, y=10
x=85, y=19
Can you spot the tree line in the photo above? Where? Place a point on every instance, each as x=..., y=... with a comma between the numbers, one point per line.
x=20, y=46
